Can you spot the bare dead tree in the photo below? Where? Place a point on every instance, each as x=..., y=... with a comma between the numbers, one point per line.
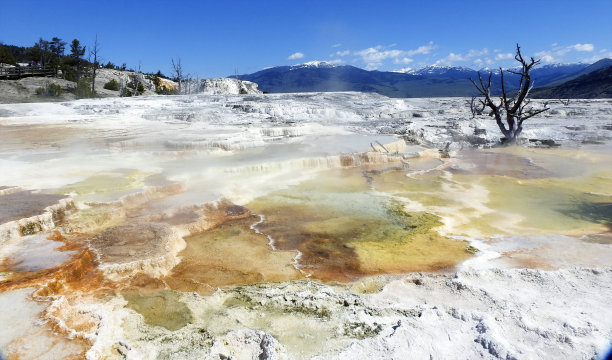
x=177, y=69
x=476, y=109
x=95, y=52
x=189, y=83
x=137, y=79
x=513, y=109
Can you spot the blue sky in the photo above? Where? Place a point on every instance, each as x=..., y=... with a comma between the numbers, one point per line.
x=216, y=38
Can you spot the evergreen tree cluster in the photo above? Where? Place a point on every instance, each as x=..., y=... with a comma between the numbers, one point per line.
x=73, y=62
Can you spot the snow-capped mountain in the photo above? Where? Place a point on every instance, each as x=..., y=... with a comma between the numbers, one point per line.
x=404, y=71
x=314, y=65
x=436, y=70
x=433, y=80
x=486, y=70
x=441, y=70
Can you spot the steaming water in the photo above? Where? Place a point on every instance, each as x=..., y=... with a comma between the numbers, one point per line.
x=189, y=210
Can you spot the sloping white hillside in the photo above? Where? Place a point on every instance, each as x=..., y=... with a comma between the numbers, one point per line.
x=220, y=86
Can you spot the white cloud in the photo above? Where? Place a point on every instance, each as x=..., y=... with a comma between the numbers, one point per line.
x=404, y=60
x=547, y=58
x=583, y=47
x=453, y=58
x=295, y=56
x=374, y=57
x=600, y=55
x=472, y=53
x=343, y=53
x=506, y=56
x=557, y=53
x=336, y=45
x=423, y=49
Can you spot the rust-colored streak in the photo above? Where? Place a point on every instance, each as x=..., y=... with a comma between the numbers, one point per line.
x=71, y=275
x=78, y=273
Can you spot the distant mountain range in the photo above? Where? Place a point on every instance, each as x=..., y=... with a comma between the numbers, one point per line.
x=599, y=65
x=596, y=84
x=431, y=81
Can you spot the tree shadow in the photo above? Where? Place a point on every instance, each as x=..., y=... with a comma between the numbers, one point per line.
x=596, y=212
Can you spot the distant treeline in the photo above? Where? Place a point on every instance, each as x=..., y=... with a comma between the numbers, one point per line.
x=70, y=61
x=66, y=59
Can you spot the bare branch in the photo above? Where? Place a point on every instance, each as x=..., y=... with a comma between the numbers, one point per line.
x=532, y=113
x=95, y=52
x=475, y=109
x=511, y=109
x=177, y=69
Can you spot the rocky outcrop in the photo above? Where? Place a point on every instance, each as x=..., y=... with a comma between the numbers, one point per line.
x=124, y=77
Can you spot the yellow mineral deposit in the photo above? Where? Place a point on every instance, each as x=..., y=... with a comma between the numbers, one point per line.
x=344, y=231
x=112, y=184
x=499, y=192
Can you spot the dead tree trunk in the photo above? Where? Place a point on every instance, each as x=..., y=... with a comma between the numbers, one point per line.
x=476, y=109
x=94, y=52
x=177, y=69
x=511, y=111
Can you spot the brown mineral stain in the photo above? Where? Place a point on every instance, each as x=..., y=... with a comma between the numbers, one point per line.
x=344, y=231
x=144, y=283
x=182, y=217
x=130, y=242
x=527, y=259
x=78, y=273
x=230, y=254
